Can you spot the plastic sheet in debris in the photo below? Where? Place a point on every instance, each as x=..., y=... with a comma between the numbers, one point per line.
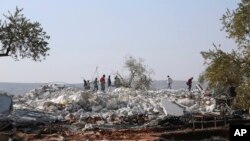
x=171, y=108
x=5, y=104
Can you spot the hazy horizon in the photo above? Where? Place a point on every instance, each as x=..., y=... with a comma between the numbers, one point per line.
x=74, y=83
x=22, y=88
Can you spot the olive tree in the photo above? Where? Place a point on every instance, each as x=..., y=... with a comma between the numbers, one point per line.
x=21, y=38
x=139, y=75
x=237, y=23
x=225, y=68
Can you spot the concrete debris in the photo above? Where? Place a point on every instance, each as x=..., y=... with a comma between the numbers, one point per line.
x=118, y=106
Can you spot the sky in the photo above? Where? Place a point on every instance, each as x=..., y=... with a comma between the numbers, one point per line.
x=168, y=34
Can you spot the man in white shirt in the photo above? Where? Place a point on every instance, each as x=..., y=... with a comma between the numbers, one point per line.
x=170, y=81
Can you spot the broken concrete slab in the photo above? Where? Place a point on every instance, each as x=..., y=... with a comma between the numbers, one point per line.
x=25, y=117
x=171, y=109
x=5, y=104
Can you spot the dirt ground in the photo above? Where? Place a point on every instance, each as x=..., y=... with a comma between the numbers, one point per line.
x=168, y=132
x=60, y=134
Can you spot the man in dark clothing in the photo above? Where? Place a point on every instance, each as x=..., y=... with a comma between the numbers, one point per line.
x=95, y=83
x=88, y=85
x=189, y=83
x=85, y=84
x=102, y=81
x=231, y=91
x=109, y=81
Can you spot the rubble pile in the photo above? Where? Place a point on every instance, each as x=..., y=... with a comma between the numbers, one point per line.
x=115, y=107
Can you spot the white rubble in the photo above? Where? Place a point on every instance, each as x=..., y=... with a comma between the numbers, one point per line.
x=114, y=106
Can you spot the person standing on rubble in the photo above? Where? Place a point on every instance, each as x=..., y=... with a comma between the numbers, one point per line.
x=85, y=84
x=88, y=85
x=109, y=81
x=189, y=83
x=232, y=93
x=231, y=90
x=117, y=82
x=95, y=83
x=170, y=81
x=102, y=81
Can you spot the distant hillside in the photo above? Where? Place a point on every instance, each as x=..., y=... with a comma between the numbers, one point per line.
x=18, y=88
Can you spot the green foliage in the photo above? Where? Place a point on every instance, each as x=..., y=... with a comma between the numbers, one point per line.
x=224, y=68
x=233, y=67
x=21, y=38
x=237, y=23
x=201, y=79
x=243, y=97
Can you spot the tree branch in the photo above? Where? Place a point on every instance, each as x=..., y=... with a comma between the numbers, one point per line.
x=5, y=54
x=7, y=51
